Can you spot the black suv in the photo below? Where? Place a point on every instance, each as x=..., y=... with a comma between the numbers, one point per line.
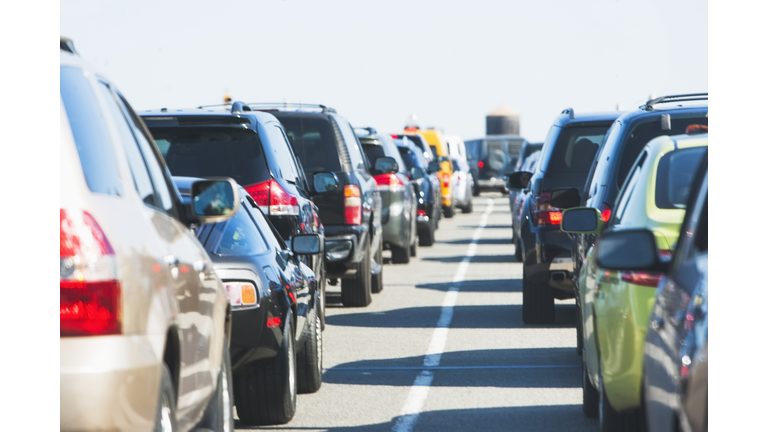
x=666, y=115
x=251, y=147
x=494, y=156
x=351, y=213
x=567, y=153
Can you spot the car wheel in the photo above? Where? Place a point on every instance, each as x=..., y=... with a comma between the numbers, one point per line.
x=265, y=391
x=400, y=255
x=218, y=415
x=321, y=302
x=610, y=419
x=589, y=394
x=518, y=253
x=538, y=302
x=377, y=280
x=467, y=208
x=309, y=359
x=357, y=291
x=427, y=236
x=165, y=417
x=413, y=249
x=450, y=210
x=579, y=332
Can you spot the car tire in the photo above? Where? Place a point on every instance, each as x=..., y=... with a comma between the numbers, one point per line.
x=309, y=357
x=414, y=248
x=357, y=292
x=450, y=211
x=218, y=415
x=321, y=302
x=427, y=236
x=518, y=257
x=400, y=255
x=590, y=404
x=265, y=390
x=165, y=416
x=538, y=302
x=468, y=208
x=377, y=280
x=579, y=332
x=610, y=420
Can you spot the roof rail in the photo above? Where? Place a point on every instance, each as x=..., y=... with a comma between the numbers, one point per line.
x=66, y=44
x=674, y=98
x=568, y=111
x=370, y=130
x=291, y=105
x=239, y=107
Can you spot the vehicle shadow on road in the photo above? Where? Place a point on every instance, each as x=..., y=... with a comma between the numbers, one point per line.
x=464, y=317
x=518, y=418
x=480, y=285
x=475, y=259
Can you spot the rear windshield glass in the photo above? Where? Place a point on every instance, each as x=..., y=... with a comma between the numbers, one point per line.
x=473, y=148
x=674, y=176
x=241, y=237
x=212, y=152
x=575, y=149
x=409, y=158
x=373, y=152
x=313, y=143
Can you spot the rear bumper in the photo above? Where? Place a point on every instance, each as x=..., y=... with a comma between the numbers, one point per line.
x=491, y=183
x=110, y=382
x=547, y=257
x=344, y=248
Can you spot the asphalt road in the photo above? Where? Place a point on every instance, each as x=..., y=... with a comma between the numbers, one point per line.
x=443, y=346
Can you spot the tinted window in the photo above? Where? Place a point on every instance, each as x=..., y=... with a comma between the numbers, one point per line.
x=674, y=176
x=90, y=132
x=266, y=227
x=626, y=194
x=373, y=152
x=277, y=143
x=409, y=158
x=353, y=145
x=575, y=149
x=473, y=148
x=241, y=237
x=211, y=152
x=313, y=143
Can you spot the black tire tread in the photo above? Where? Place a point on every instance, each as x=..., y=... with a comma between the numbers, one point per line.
x=400, y=255
x=308, y=377
x=377, y=280
x=357, y=292
x=538, y=303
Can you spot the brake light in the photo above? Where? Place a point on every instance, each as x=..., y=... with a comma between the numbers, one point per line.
x=395, y=136
x=421, y=213
x=271, y=196
x=641, y=278
x=446, y=180
x=605, y=213
x=390, y=181
x=273, y=322
x=353, y=209
x=480, y=164
x=89, y=292
x=545, y=214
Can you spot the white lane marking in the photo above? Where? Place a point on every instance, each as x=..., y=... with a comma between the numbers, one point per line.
x=420, y=389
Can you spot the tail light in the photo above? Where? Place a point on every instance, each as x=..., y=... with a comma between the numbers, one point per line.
x=90, y=292
x=353, y=208
x=446, y=180
x=605, y=212
x=390, y=181
x=641, y=278
x=545, y=214
x=241, y=294
x=421, y=213
x=271, y=196
x=480, y=164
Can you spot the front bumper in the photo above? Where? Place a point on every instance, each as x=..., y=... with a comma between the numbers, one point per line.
x=109, y=382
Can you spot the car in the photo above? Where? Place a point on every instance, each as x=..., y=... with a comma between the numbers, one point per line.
x=398, y=198
x=427, y=186
x=526, y=150
x=276, y=345
x=495, y=155
x=665, y=115
x=653, y=197
x=439, y=149
x=517, y=198
x=676, y=341
x=566, y=156
x=250, y=147
x=418, y=140
x=463, y=184
x=326, y=144
x=144, y=340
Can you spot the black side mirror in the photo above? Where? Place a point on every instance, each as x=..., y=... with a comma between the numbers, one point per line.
x=564, y=198
x=307, y=244
x=629, y=250
x=519, y=179
x=433, y=167
x=385, y=165
x=324, y=182
x=581, y=220
x=416, y=173
x=214, y=200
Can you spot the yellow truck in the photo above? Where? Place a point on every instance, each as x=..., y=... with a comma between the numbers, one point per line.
x=439, y=149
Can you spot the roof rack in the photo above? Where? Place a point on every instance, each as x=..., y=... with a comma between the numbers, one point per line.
x=238, y=107
x=66, y=44
x=290, y=105
x=674, y=98
x=569, y=112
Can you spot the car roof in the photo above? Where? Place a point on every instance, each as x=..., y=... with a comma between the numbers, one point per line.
x=569, y=115
x=259, y=116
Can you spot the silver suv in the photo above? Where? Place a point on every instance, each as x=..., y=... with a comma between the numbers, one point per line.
x=144, y=318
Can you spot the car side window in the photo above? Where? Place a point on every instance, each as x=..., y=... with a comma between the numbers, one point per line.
x=301, y=179
x=354, y=146
x=141, y=180
x=626, y=192
x=280, y=145
x=266, y=228
x=241, y=237
x=157, y=172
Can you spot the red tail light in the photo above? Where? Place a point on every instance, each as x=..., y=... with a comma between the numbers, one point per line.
x=273, y=322
x=390, y=181
x=271, y=196
x=89, y=291
x=641, y=278
x=605, y=213
x=446, y=180
x=544, y=214
x=480, y=164
x=421, y=213
x=353, y=208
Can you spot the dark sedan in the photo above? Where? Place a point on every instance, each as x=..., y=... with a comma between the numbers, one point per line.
x=427, y=188
x=276, y=345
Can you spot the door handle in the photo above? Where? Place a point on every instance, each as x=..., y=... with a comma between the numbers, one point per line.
x=172, y=261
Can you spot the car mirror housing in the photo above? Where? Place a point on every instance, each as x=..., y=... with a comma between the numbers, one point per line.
x=324, y=182
x=434, y=166
x=629, y=250
x=416, y=173
x=581, y=220
x=385, y=165
x=519, y=179
x=214, y=200
x=565, y=198
x=307, y=244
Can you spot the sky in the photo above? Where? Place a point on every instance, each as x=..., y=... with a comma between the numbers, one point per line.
x=447, y=62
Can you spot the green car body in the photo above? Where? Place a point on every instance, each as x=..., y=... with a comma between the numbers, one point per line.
x=615, y=311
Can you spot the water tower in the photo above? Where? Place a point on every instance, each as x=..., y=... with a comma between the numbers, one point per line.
x=502, y=121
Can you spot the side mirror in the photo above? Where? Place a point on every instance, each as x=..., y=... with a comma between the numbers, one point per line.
x=581, y=220
x=629, y=250
x=519, y=179
x=324, y=182
x=416, y=173
x=385, y=165
x=434, y=166
x=214, y=200
x=307, y=244
x=564, y=198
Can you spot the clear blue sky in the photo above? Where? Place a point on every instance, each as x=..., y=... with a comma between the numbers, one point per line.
x=448, y=62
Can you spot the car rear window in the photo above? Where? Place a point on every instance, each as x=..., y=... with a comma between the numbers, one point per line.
x=674, y=176
x=373, y=151
x=313, y=143
x=575, y=149
x=90, y=131
x=410, y=159
x=212, y=152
